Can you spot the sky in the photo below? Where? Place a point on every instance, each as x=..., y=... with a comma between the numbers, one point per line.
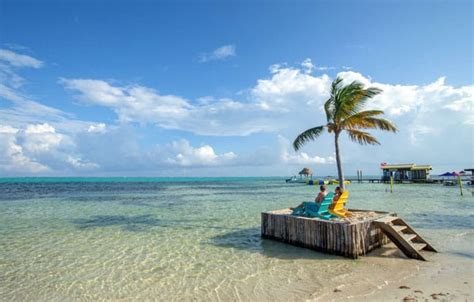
x=222, y=88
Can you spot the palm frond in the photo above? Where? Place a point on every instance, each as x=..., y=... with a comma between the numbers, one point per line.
x=357, y=103
x=329, y=105
x=361, y=137
x=335, y=85
x=352, y=99
x=368, y=123
x=308, y=135
x=382, y=124
x=358, y=120
x=329, y=109
x=344, y=99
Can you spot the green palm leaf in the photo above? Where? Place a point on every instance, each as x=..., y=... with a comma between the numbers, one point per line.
x=361, y=137
x=329, y=109
x=366, y=120
x=382, y=124
x=308, y=135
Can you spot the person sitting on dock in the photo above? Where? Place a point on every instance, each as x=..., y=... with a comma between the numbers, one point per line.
x=337, y=194
x=319, y=198
x=322, y=193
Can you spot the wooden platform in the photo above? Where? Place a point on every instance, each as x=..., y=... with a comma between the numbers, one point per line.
x=349, y=239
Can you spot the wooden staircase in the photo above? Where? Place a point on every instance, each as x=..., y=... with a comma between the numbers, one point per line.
x=404, y=236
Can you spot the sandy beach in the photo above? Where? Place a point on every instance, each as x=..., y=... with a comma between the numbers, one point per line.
x=389, y=276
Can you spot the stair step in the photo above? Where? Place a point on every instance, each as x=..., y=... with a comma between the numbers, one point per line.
x=399, y=228
x=393, y=226
x=409, y=237
x=387, y=219
x=419, y=246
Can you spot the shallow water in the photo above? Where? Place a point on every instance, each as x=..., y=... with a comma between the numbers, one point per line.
x=188, y=239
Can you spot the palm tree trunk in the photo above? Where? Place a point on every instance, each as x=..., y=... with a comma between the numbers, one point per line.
x=340, y=172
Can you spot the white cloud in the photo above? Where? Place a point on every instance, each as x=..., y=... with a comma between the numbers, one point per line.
x=289, y=98
x=300, y=158
x=41, y=138
x=10, y=94
x=424, y=110
x=12, y=157
x=100, y=128
x=220, y=53
x=144, y=105
x=10, y=81
x=307, y=66
x=19, y=60
x=290, y=89
x=21, y=110
x=183, y=154
x=38, y=148
x=131, y=103
x=5, y=129
x=274, y=68
x=78, y=163
x=43, y=144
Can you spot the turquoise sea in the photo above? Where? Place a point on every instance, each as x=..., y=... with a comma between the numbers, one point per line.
x=185, y=239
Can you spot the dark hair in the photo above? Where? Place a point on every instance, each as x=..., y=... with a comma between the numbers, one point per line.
x=322, y=188
x=338, y=189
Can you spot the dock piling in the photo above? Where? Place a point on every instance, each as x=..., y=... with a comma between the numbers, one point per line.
x=460, y=184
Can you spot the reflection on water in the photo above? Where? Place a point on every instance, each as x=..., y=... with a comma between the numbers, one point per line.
x=185, y=240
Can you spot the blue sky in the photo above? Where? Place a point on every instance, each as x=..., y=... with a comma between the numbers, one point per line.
x=199, y=88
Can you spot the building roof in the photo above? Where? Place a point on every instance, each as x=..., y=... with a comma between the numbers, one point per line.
x=305, y=171
x=406, y=166
x=397, y=166
x=421, y=167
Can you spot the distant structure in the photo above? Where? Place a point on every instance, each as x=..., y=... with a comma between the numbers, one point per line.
x=471, y=182
x=405, y=172
x=307, y=173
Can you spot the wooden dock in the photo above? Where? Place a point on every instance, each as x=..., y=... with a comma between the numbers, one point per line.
x=405, y=181
x=330, y=236
x=348, y=239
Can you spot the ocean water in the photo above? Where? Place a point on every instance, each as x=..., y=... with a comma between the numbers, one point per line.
x=188, y=239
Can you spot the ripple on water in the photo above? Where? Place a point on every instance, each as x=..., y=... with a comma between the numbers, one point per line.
x=185, y=241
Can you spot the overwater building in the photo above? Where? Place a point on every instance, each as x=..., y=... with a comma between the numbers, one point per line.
x=405, y=172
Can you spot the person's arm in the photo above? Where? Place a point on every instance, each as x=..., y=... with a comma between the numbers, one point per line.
x=319, y=198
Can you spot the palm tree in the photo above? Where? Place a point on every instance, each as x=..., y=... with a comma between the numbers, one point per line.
x=344, y=113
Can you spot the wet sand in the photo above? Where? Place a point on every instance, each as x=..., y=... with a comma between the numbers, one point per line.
x=388, y=275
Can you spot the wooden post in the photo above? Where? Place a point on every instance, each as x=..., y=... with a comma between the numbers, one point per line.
x=460, y=184
x=391, y=184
